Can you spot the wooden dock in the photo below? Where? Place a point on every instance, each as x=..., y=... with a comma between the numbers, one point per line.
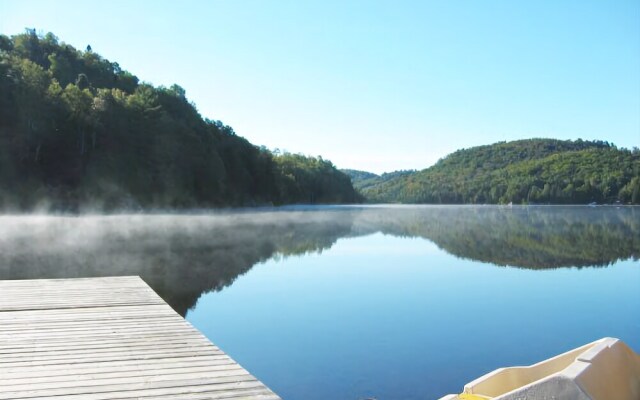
x=108, y=338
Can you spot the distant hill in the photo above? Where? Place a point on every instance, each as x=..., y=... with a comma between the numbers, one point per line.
x=523, y=171
x=79, y=132
x=359, y=176
x=363, y=180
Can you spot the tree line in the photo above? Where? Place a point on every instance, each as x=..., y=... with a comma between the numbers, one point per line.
x=78, y=131
x=533, y=171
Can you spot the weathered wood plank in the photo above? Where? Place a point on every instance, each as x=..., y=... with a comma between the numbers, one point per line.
x=93, y=344
x=46, y=325
x=130, y=311
x=247, y=394
x=55, y=294
x=80, y=375
x=71, y=334
x=108, y=338
x=114, y=350
x=113, y=391
x=152, y=335
x=100, y=366
x=120, y=281
x=82, y=382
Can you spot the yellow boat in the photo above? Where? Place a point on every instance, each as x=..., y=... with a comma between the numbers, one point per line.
x=606, y=369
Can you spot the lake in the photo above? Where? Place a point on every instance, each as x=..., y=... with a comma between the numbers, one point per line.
x=384, y=302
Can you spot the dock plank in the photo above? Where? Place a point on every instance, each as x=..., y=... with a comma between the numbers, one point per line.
x=108, y=338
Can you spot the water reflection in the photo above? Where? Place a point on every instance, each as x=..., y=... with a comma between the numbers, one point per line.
x=525, y=237
x=182, y=256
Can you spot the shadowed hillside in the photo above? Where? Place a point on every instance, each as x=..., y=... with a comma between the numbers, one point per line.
x=78, y=133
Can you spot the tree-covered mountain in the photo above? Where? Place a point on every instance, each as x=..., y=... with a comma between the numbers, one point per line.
x=359, y=176
x=524, y=171
x=363, y=180
x=77, y=131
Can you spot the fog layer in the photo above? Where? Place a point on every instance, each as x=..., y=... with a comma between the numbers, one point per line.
x=182, y=256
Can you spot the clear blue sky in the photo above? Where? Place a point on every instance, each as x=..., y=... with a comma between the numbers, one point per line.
x=374, y=85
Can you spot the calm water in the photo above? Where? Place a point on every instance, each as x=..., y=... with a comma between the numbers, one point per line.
x=352, y=303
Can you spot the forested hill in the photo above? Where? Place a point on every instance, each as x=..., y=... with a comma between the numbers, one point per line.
x=363, y=180
x=524, y=171
x=77, y=131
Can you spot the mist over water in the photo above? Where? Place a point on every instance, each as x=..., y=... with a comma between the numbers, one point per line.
x=180, y=256
x=353, y=302
x=184, y=255
x=417, y=301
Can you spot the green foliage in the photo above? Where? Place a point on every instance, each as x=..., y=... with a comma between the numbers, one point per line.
x=363, y=181
x=520, y=172
x=77, y=131
x=312, y=180
x=359, y=176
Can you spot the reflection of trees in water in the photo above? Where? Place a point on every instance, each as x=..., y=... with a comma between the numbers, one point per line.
x=179, y=257
x=183, y=256
x=526, y=237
